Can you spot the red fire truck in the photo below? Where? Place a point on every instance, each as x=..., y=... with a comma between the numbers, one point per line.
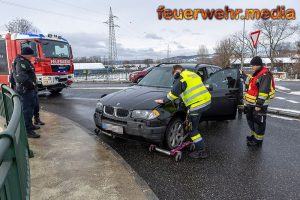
x=52, y=59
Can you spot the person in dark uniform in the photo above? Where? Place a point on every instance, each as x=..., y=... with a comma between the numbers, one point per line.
x=25, y=79
x=260, y=89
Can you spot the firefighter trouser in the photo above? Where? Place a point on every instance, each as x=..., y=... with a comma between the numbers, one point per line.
x=257, y=121
x=194, y=117
x=28, y=101
x=36, y=111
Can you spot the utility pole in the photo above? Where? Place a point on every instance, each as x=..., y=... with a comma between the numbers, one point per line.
x=112, y=47
x=243, y=46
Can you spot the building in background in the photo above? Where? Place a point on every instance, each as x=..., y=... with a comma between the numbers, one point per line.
x=89, y=68
x=285, y=67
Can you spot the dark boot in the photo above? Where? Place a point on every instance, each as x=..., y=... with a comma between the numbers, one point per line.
x=37, y=121
x=250, y=138
x=200, y=153
x=32, y=134
x=35, y=127
x=254, y=143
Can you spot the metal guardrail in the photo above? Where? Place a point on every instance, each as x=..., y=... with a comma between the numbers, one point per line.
x=14, y=151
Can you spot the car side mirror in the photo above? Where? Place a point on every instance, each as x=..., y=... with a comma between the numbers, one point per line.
x=209, y=87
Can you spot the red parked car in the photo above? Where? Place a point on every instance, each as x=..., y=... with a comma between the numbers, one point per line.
x=135, y=77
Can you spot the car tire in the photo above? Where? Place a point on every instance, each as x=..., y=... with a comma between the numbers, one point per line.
x=56, y=91
x=172, y=136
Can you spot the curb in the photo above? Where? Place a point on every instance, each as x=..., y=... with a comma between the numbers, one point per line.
x=149, y=194
x=286, y=113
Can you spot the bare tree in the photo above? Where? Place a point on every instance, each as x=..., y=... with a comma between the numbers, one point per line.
x=21, y=25
x=273, y=32
x=202, y=53
x=224, y=51
x=249, y=50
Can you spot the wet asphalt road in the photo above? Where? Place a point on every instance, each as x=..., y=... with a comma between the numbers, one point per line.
x=287, y=97
x=233, y=171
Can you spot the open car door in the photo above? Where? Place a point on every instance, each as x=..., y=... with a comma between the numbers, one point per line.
x=224, y=88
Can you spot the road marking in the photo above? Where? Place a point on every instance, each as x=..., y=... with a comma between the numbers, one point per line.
x=292, y=101
x=295, y=93
x=282, y=92
x=285, y=118
x=279, y=98
x=101, y=88
x=282, y=88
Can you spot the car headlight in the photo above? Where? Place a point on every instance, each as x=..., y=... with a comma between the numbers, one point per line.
x=99, y=106
x=145, y=114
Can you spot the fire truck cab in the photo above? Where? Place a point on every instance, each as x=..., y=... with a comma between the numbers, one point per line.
x=52, y=59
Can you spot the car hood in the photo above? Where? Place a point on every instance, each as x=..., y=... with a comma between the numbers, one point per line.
x=135, y=98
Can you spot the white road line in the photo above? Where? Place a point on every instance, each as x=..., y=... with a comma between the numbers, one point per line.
x=292, y=101
x=282, y=88
x=295, y=93
x=279, y=98
x=100, y=88
x=284, y=118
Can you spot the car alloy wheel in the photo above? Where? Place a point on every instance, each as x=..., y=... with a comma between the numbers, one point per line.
x=175, y=133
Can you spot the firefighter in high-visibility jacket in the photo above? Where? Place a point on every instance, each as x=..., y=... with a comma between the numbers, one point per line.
x=260, y=89
x=189, y=86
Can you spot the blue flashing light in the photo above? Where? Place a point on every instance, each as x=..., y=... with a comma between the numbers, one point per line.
x=33, y=34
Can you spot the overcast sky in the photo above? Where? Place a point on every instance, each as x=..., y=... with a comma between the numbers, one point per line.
x=141, y=34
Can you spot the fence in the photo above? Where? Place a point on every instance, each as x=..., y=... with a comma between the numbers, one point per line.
x=14, y=161
x=107, y=75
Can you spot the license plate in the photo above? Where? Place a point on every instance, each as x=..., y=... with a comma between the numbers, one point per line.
x=113, y=128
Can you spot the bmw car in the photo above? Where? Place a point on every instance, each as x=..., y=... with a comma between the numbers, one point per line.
x=133, y=114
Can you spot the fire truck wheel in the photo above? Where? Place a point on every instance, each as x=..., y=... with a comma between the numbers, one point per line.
x=56, y=91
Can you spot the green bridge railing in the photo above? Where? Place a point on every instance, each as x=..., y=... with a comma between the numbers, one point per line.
x=14, y=160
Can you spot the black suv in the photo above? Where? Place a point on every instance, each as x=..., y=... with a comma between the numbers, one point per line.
x=132, y=112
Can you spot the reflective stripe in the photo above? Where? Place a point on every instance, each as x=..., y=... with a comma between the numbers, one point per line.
x=263, y=94
x=196, y=136
x=194, y=96
x=192, y=89
x=262, y=97
x=250, y=97
x=171, y=96
x=258, y=137
x=200, y=106
x=197, y=140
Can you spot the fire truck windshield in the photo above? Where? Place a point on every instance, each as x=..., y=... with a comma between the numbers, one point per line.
x=55, y=49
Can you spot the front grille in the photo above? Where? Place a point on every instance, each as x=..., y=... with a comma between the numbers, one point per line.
x=60, y=68
x=109, y=110
x=117, y=112
x=62, y=80
x=121, y=112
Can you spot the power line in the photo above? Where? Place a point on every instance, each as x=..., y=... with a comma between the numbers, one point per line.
x=78, y=7
x=46, y=11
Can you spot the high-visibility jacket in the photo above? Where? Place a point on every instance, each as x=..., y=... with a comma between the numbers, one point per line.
x=261, y=88
x=190, y=88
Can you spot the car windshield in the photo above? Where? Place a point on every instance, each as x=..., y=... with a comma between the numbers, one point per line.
x=158, y=77
x=55, y=49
